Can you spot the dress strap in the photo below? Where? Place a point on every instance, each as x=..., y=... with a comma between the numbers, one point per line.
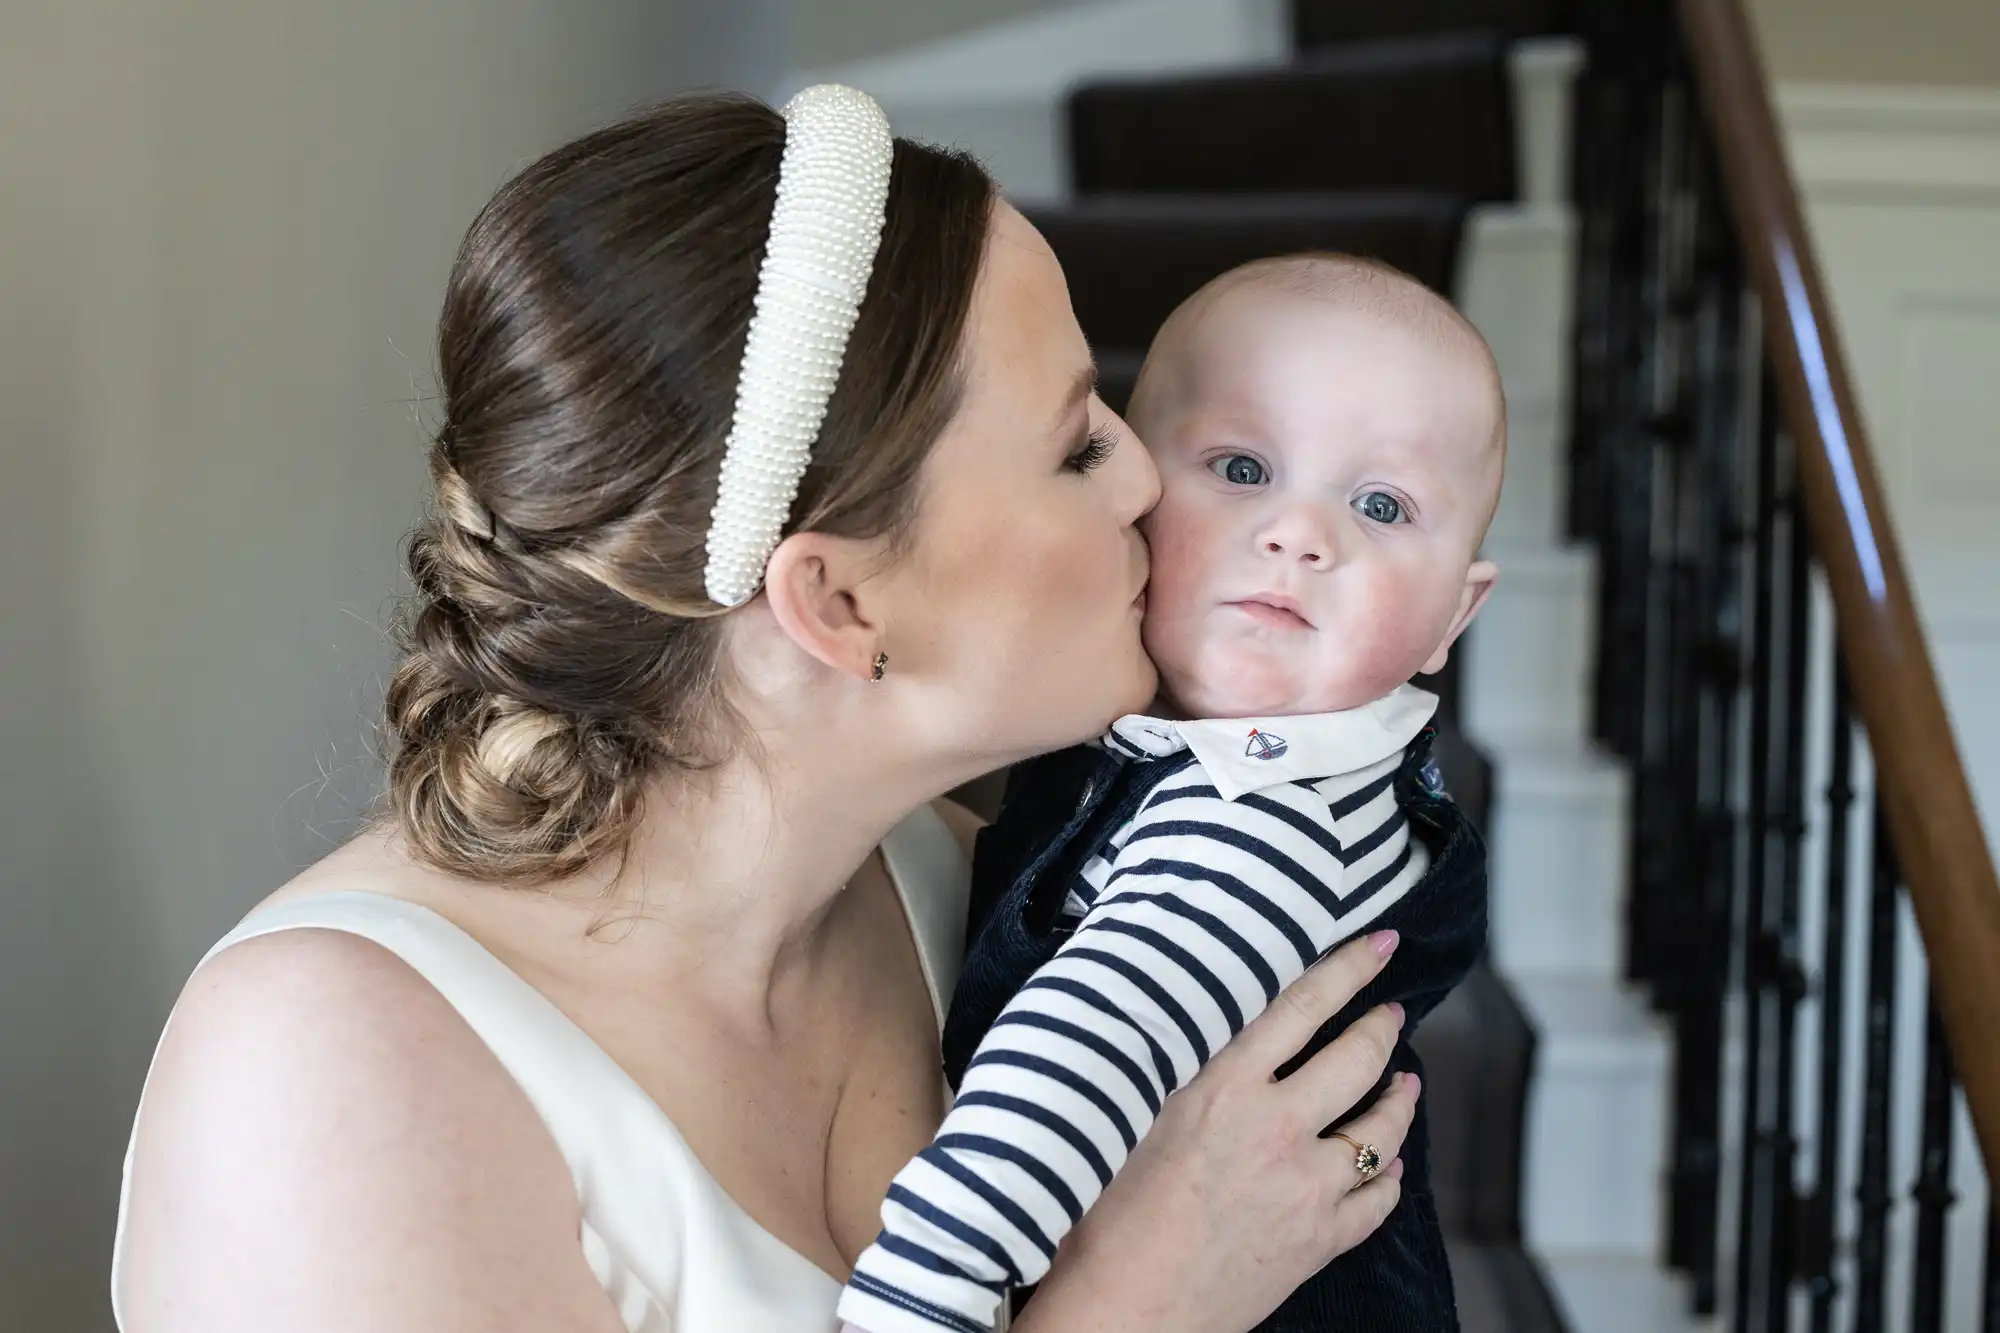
x=546, y=1053
x=600, y=1119
x=933, y=877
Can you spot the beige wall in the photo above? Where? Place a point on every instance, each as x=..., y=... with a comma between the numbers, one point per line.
x=826, y=32
x=1882, y=41
x=224, y=231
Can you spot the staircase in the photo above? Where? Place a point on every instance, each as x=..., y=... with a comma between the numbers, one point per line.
x=1433, y=134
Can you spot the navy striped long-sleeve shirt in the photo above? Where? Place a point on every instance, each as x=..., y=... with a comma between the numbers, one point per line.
x=1238, y=871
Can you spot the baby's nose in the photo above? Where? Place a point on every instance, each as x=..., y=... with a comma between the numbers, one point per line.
x=1307, y=552
x=1297, y=537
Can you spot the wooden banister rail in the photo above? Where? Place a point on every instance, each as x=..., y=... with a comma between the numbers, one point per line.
x=1928, y=803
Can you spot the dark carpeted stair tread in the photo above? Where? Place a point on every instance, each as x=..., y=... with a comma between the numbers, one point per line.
x=1468, y=773
x=1426, y=114
x=1478, y=1052
x=1499, y=1289
x=1319, y=23
x=1131, y=259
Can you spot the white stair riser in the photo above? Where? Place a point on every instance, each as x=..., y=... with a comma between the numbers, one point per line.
x=1558, y=872
x=1528, y=656
x=1617, y=1294
x=1596, y=1124
x=1531, y=502
x=1596, y=1153
x=1544, y=71
x=1516, y=273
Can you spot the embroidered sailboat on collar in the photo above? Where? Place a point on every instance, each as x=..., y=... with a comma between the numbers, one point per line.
x=1264, y=745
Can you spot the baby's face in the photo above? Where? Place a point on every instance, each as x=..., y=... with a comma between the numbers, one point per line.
x=1327, y=474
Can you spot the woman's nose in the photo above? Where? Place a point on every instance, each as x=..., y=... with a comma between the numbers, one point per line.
x=1139, y=476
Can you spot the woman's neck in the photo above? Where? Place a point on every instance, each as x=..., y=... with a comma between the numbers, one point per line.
x=727, y=890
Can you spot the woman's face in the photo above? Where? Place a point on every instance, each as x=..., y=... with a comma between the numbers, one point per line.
x=1027, y=572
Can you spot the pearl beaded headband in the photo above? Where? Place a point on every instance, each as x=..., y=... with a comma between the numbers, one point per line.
x=833, y=193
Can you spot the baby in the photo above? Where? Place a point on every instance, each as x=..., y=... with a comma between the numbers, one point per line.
x=1330, y=437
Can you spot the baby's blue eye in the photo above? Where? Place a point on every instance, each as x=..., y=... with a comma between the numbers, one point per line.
x=1239, y=470
x=1380, y=506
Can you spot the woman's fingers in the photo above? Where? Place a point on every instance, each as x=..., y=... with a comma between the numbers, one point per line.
x=1361, y=1211
x=1382, y=1127
x=1342, y=1072
x=1277, y=1034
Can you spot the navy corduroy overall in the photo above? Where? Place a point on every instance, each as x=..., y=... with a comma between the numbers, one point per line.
x=1060, y=809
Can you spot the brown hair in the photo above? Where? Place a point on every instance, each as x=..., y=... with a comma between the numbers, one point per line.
x=559, y=651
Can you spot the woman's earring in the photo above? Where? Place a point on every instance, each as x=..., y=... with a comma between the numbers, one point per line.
x=881, y=666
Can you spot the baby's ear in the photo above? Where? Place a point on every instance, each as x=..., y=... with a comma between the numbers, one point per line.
x=1479, y=581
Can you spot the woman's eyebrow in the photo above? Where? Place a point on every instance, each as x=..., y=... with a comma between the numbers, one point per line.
x=1081, y=388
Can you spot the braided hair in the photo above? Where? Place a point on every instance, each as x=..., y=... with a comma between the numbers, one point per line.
x=559, y=653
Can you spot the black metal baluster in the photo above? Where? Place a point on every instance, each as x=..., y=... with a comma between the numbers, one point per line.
x=1601, y=163
x=1753, y=1206
x=1626, y=574
x=1818, y=1242
x=1612, y=177
x=1661, y=699
x=1672, y=632
x=1780, y=942
x=1705, y=742
x=1871, y=1249
x=1662, y=843
x=1933, y=1189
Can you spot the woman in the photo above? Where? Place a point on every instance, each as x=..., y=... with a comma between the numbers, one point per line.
x=628, y=1016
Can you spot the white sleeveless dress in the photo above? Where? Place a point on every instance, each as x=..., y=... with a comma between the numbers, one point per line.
x=675, y=1253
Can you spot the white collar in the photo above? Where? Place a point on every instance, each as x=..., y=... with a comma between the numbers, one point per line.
x=1246, y=754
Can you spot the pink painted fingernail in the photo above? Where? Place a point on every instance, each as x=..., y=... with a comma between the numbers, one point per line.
x=1384, y=942
x=1397, y=1010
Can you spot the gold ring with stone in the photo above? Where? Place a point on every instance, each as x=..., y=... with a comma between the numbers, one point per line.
x=1367, y=1157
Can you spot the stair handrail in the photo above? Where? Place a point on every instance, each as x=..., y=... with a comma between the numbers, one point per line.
x=1948, y=867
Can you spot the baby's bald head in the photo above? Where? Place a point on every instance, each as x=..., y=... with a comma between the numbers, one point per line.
x=1352, y=286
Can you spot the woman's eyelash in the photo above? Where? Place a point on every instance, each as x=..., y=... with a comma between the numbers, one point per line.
x=1096, y=449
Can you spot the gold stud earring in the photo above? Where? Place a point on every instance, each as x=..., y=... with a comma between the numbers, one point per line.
x=881, y=666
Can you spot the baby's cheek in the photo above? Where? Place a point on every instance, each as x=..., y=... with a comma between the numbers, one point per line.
x=1180, y=565
x=1389, y=637
x=1175, y=530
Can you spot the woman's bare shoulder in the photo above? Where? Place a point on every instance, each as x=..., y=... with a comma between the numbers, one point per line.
x=373, y=861
x=324, y=1135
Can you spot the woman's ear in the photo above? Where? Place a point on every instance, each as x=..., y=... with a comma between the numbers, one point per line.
x=1479, y=581
x=815, y=586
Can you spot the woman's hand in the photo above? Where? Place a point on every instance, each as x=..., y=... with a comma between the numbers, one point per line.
x=1234, y=1200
